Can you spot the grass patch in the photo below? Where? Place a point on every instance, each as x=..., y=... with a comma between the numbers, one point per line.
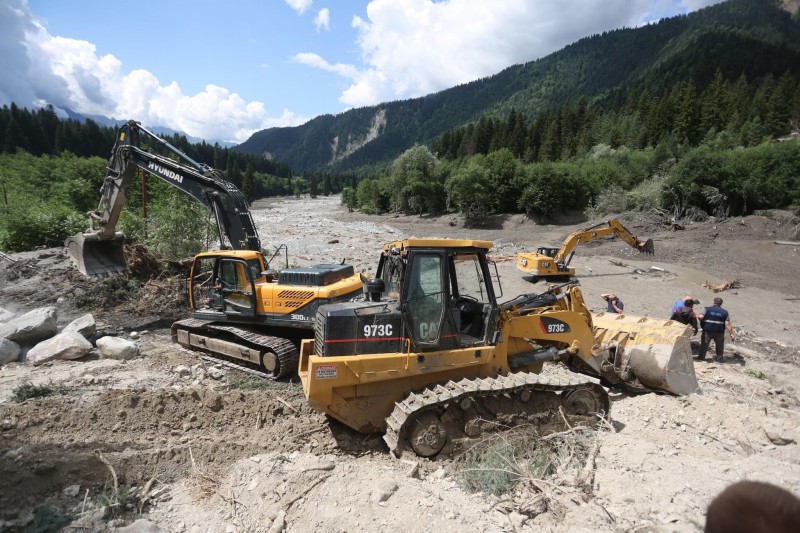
x=47, y=520
x=497, y=463
x=758, y=374
x=28, y=390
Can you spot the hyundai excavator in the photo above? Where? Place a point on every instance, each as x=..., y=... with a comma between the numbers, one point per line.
x=430, y=358
x=552, y=264
x=242, y=309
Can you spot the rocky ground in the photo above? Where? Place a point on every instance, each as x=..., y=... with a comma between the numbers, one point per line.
x=180, y=442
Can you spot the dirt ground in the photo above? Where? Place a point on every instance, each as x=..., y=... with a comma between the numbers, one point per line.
x=215, y=449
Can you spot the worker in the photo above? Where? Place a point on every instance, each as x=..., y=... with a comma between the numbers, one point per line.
x=714, y=321
x=685, y=314
x=615, y=305
x=679, y=303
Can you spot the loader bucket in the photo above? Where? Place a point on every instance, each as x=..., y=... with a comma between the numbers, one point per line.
x=96, y=256
x=647, y=247
x=655, y=352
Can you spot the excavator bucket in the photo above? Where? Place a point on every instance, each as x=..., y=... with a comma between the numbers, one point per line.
x=96, y=256
x=647, y=247
x=654, y=352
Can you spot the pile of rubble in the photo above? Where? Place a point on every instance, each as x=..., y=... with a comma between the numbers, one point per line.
x=33, y=337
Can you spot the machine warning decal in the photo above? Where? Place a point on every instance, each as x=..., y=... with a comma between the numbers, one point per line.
x=552, y=325
x=326, y=372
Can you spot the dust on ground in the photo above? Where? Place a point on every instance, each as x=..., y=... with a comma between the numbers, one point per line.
x=235, y=453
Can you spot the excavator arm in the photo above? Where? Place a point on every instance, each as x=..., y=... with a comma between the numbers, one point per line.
x=553, y=263
x=612, y=227
x=98, y=251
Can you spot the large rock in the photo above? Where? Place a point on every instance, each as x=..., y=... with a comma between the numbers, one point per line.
x=117, y=348
x=66, y=345
x=32, y=327
x=9, y=351
x=6, y=315
x=85, y=325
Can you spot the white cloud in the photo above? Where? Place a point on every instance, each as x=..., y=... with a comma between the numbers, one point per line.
x=323, y=19
x=411, y=48
x=299, y=5
x=39, y=68
x=694, y=5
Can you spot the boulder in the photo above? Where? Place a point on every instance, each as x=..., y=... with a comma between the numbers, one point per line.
x=117, y=348
x=9, y=351
x=85, y=325
x=6, y=315
x=32, y=327
x=66, y=345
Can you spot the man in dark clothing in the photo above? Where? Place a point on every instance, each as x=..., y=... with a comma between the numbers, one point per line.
x=685, y=314
x=714, y=321
x=615, y=305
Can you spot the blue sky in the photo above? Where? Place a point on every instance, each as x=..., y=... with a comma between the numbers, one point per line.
x=223, y=70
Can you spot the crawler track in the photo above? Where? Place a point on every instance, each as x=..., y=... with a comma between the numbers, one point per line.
x=427, y=420
x=274, y=357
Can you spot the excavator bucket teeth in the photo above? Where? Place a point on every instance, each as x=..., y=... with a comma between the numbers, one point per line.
x=97, y=257
x=656, y=353
x=647, y=247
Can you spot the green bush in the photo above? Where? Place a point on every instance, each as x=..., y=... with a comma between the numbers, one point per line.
x=40, y=226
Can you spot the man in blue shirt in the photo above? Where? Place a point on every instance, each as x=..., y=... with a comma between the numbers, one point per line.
x=681, y=302
x=714, y=321
x=615, y=305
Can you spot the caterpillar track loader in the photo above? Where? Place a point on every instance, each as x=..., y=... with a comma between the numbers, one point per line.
x=241, y=308
x=431, y=359
x=552, y=264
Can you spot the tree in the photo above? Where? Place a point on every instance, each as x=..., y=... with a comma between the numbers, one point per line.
x=249, y=185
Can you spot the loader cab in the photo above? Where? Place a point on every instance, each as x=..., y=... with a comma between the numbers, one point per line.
x=446, y=296
x=223, y=283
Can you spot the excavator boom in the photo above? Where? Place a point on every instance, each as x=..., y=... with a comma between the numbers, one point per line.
x=99, y=250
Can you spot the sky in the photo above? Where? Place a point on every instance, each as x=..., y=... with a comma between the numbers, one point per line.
x=221, y=71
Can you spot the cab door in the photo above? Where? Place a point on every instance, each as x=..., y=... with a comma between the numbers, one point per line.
x=425, y=297
x=236, y=285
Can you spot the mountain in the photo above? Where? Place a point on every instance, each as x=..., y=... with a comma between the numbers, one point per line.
x=750, y=37
x=104, y=121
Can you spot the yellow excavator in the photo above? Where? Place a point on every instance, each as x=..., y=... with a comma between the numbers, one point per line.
x=430, y=358
x=242, y=309
x=552, y=264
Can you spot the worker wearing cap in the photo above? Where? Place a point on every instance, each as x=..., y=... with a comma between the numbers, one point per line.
x=615, y=305
x=714, y=321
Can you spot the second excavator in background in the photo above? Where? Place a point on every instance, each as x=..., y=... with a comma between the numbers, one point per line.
x=552, y=264
x=242, y=309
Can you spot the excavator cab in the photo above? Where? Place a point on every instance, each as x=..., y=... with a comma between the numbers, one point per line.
x=224, y=283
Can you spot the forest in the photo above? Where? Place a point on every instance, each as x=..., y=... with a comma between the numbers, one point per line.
x=51, y=171
x=693, y=151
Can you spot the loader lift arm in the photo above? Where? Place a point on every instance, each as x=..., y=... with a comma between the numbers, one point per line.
x=99, y=250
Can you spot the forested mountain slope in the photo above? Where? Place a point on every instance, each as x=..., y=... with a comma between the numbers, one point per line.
x=739, y=37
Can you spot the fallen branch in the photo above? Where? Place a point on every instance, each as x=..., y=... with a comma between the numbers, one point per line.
x=111, y=468
x=306, y=491
x=788, y=243
x=724, y=286
x=287, y=404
